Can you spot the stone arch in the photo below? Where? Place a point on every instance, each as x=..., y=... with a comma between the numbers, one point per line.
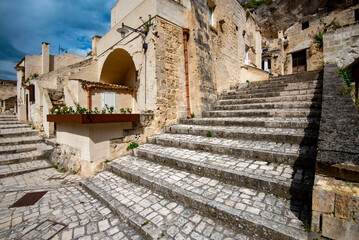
x=119, y=68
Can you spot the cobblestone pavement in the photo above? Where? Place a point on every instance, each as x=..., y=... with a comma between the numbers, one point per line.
x=159, y=217
x=66, y=208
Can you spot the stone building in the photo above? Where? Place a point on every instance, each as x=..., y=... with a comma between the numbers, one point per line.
x=180, y=55
x=294, y=49
x=30, y=72
x=8, y=96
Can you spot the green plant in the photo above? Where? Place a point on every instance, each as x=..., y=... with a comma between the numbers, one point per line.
x=112, y=108
x=256, y=3
x=129, y=110
x=192, y=115
x=56, y=144
x=96, y=111
x=333, y=25
x=89, y=53
x=122, y=110
x=145, y=28
x=145, y=223
x=132, y=145
x=318, y=39
x=209, y=134
x=103, y=111
x=107, y=161
x=247, y=81
x=306, y=226
x=346, y=74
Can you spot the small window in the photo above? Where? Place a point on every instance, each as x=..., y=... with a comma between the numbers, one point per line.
x=211, y=14
x=32, y=93
x=356, y=14
x=305, y=25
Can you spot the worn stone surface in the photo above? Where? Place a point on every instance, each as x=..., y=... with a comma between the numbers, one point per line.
x=340, y=229
x=341, y=46
x=339, y=126
x=335, y=207
x=157, y=215
x=82, y=216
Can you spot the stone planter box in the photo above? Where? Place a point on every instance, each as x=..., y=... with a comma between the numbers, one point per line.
x=92, y=118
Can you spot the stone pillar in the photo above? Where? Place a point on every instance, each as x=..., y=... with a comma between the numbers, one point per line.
x=95, y=39
x=45, y=57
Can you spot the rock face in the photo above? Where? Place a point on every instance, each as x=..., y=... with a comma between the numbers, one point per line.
x=284, y=13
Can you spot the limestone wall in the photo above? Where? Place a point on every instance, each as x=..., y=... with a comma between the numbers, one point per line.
x=342, y=46
x=33, y=64
x=216, y=52
x=67, y=59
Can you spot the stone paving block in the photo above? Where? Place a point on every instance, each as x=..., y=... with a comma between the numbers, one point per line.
x=167, y=222
x=158, y=177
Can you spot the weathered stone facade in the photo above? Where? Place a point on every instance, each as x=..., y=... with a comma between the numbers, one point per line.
x=299, y=37
x=8, y=95
x=341, y=47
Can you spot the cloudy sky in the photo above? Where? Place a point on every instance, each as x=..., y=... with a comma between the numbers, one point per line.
x=25, y=24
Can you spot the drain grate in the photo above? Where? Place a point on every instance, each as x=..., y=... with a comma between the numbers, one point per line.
x=45, y=230
x=28, y=199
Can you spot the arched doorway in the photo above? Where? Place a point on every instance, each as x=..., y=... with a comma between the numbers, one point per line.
x=120, y=69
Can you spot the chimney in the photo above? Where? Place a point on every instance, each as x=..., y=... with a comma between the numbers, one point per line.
x=95, y=40
x=45, y=57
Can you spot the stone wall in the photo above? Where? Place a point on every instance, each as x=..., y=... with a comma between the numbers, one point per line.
x=339, y=126
x=335, y=208
x=342, y=46
x=335, y=211
x=170, y=72
x=216, y=52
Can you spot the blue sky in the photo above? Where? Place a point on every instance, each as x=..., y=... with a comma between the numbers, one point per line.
x=25, y=24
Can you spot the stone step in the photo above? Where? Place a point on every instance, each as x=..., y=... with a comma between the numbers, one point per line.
x=276, y=84
x=285, y=135
x=252, y=211
x=21, y=168
x=308, y=77
x=278, y=179
x=13, y=125
x=156, y=216
x=293, y=112
x=270, y=88
x=18, y=132
x=271, y=94
x=272, y=152
x=9, y=149
x=292, y=98
x=270, y=105
x=20, y=140
x=3, y=120
x=25, y=156
x=255, y=122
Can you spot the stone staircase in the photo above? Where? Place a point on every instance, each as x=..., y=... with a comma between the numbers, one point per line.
x=21, y=149
x=243, y=171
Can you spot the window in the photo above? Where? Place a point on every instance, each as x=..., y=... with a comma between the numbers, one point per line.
x=108, y=98
x=211, y=7
x=32, y=93
x=356, y=14
x=246, y=56
x=305, y=25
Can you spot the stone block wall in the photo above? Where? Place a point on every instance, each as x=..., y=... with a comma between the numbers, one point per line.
x=342, y=46
x=335, y=203
x=335, y=208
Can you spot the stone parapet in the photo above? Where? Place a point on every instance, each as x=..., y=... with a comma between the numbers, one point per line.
x=339, y=126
